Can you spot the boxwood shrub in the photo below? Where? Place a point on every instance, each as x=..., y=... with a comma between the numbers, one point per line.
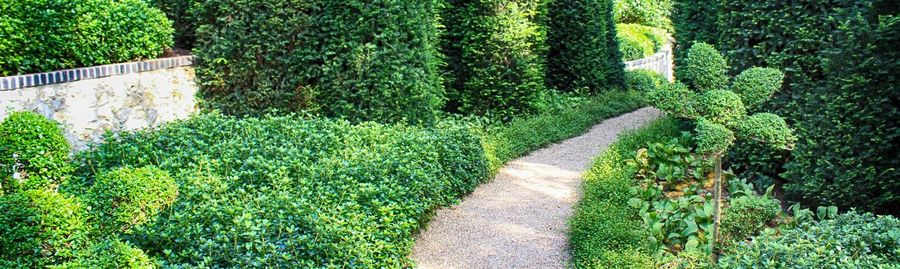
x=33, y=153
x=43, y=35
x=605, y=231
x=583, y=47
x=361, y=60
x=645, y=81
x=40, y=228
x=494, y=51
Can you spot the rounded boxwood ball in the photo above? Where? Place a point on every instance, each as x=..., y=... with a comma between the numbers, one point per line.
x=127, y=197
x=39, y=228
x=34, y=153
x=676, y=99
x=644, y=80
x=712, y=137
x=768, y=128
x=705, y=68
x=722, y=107
x=756, y=85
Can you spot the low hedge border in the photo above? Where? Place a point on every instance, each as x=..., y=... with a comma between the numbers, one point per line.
x=298, y=192
x=605, y=229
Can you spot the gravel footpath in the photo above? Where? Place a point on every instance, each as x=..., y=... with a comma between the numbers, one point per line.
x=520, y=219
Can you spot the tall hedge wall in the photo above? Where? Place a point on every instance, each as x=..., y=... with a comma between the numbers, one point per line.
x=584, y=51
x=840, y=93
x=495, y=56
x=44, y=35
x=694, y=21
x=362, y=60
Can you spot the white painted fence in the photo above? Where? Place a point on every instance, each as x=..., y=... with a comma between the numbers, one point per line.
x=662, y=62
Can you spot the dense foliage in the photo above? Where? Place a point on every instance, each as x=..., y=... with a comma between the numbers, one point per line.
x=184, y=15
x=583, y=50
x=639, y=41
x=851, y=240
x=839, y=91
x=33, y=153
x=494, y=52
x=605, y=230
x=644, y=81
x=653, y=13
x=42, y=35
x=42, y=228
x=361, y=60
x=704, y=68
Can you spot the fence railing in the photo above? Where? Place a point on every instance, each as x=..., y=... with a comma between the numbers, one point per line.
x=661, y=62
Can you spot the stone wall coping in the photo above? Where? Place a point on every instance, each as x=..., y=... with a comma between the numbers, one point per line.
x=93, y=72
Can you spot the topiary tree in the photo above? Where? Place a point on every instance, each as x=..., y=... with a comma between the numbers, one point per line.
x=584, y=51
x=720, y=115
x=33, y=153
x=705, y=69
x=756, y=85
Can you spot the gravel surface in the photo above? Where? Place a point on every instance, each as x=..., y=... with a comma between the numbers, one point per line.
x=520, y=219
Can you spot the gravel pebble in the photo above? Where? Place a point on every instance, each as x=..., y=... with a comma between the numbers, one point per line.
x=520, y=219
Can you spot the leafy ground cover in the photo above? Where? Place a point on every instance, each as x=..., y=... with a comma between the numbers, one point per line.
x=284, y=191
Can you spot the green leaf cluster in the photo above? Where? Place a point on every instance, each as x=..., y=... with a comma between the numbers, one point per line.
x=45, y=35
x=757, y=85
x=704, y=68
x=654, y=13
x=713, y=138
x=850, y=240
x=638, y=41
x=645, y=81
x=34, y=154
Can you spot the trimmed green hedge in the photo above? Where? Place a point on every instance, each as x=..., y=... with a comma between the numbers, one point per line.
x=44, y=35
x=653, y=13
x=605, y=230
x=494, y=52
x=34, y=154
x=360, y=60
x=583, y=46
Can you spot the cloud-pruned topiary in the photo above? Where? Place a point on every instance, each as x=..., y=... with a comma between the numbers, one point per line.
x=721, y=106
x=757, y=85
x=676, y=99
x=767, y=127
x=705, y=68
x=127, y=197
x=712, y=138
x=39, y=228
x=33, y=153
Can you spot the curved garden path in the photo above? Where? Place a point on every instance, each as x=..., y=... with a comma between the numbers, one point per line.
x=520, y=219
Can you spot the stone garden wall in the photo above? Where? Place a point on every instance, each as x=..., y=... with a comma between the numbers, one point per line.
x=91, y=101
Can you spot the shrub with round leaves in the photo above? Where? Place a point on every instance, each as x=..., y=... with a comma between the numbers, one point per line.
x=756, y=85
x=850, y=240
x=645, y=81
x=712, y=138
x=768, y=128
x=721, y=106
x=746, y=216
x=111, y=253
x=52, y=35
x=127, y=197
x=705, y=69
x=39, y=228
x=676, y=99
x=33, y=153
